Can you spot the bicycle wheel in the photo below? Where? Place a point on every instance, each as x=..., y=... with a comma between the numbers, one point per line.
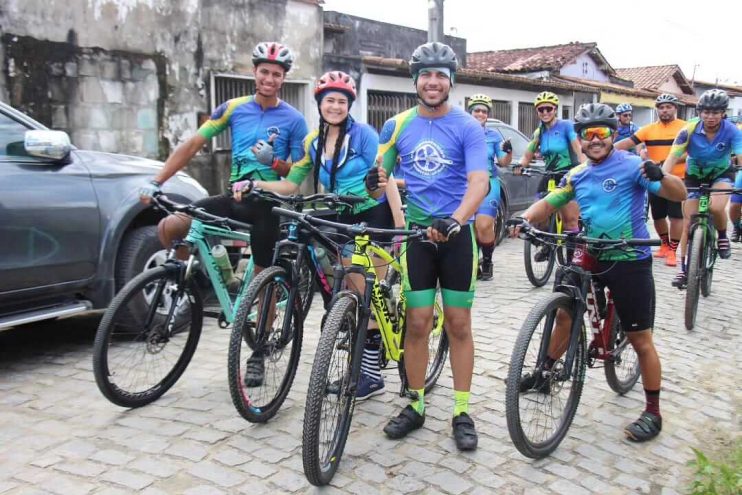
x=539, y=419
x=708, y=263
x=258, y=333
x=696, y=259
x=146, y=337
x=306, y=286
x=540, y=258
x=330, y=402
x=622, y=367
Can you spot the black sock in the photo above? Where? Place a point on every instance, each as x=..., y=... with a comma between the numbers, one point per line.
x=653, y=401
x=487, y=250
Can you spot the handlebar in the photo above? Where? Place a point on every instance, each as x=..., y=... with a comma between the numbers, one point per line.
x=196, y=212
x=329, y=199
x=530, y=171
x=707, y=189
x=529, y=231
x=350, y=229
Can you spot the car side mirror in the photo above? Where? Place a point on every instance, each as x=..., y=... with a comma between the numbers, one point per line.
x=54, y=145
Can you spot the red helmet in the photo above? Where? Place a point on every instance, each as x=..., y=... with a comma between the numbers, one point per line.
x=335, y=80
x=274, y=53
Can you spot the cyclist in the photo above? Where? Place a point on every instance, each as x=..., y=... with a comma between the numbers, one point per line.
x=610, y=189
x=625, y=126
x=709, y=142
x=443, y=155
x=499, y=153
x=340, y=153
x=735, y=208
x=264, y=130
x=557, y=142
x=658, y=137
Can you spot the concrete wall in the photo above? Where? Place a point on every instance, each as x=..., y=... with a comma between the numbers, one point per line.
x=141, y=60
x=670, y=86
x=584, y=67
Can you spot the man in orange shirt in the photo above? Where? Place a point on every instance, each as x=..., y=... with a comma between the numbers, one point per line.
x=658, y=138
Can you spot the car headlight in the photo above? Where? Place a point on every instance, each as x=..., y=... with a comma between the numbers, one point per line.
x=193, y=182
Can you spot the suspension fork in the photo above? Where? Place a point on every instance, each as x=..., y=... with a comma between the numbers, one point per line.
x=578, y=296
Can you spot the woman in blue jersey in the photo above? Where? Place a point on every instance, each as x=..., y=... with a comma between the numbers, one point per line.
x=499, y=153
x=340, y=154
x=557, y=142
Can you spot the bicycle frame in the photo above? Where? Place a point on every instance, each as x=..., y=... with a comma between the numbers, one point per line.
x=700, y=220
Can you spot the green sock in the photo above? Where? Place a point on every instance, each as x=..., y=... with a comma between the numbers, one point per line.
x=461, y=402
x=419, y=404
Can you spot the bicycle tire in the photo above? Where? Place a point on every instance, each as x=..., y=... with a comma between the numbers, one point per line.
x=539, y=272
x=697, y=245
x=622, y=370
x=123, y=352
x=307, y=285
x=533, y=448
x=258, y=404
x=340, y=325
x=708, y=262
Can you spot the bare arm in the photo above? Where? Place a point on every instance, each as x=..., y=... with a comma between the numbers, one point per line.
x=506, y=160
x=670, y=162
x=285, y=187
x=538, y=211
x=180, y=157
x=673, y=188
x=476, y=189
x=625, y=144
x=525, y=160
x=395, y=203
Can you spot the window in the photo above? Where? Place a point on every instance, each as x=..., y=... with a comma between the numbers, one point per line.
x=226, y=86
x=527, y=118
x=501, y=110
x=384, y=105
x=12, y=137
x=566, y=112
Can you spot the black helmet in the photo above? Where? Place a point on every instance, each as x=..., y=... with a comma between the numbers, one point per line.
x=713, y=99
x=595, y=114
x=667, y=98
x=433, y=54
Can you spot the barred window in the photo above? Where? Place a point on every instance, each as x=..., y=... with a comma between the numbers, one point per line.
x=227, y=86
x=383, y=105
x=502, y=111
x=527, y=118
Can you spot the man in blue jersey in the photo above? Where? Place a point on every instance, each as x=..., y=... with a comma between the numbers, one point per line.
x=626, y=128
x=265, y=131
x=443, y=155
x=499, y=154
x=609, y=190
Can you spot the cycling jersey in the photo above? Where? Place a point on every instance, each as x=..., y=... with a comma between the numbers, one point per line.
x=357, y=156
x=494, y=149
x=249, y=123
x=708, y=159
x=737, y=198
x=626, y=131
x=658, y=138
x=436, y=155
x=555, y=144
x=611, y=199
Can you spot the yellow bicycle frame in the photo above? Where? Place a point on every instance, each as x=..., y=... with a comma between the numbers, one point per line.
x=550, y=187
x=390, y=332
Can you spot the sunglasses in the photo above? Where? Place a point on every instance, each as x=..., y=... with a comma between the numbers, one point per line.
x=545, y=109
x=590, y=133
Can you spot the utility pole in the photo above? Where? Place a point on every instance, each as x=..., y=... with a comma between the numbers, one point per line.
x=435, y=20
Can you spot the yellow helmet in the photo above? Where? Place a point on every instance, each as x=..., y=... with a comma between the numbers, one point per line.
x=546, y=97
x=479, y=100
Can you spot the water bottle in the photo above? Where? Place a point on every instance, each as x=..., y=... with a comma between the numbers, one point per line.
x=221, y=257
x=324, y=262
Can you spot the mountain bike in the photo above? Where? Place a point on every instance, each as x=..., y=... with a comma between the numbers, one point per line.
x=539, y=417
x=337, y=362
x=268, y=328
x=539, y=257
x=149, y=332
x=702, y=252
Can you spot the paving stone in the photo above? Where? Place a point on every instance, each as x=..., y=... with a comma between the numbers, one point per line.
x=210, y=471
x=128, y=479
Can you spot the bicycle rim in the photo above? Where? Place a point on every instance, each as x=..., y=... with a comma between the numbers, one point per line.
x=258, y=335
x=708, y=263
x=622, y=366
x=306, y=286
x=695, y=273
x=537, y=422
x=329, y=407
x=538, y=272
x=146, y=338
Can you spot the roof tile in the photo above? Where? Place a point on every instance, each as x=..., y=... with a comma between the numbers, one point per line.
x=527, y=59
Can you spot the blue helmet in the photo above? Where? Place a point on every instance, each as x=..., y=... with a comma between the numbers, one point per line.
x=623, y=108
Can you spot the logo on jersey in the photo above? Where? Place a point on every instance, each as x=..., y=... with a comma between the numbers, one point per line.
x=273, y=130
x=609, y=185
x=428, y=159
x=721, y=146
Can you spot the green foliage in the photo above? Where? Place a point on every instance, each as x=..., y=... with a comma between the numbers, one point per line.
x=723, y=477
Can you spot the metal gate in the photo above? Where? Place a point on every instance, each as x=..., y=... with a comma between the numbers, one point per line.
x=384, y=105
x=527, y=118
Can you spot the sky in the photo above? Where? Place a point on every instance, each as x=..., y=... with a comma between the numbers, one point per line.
x=628, y=33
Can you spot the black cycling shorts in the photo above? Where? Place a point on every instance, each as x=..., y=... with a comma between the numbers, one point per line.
x=452, y=265
x=693, y=181
x=663, y=208
x=265, y=232
x=632, y=287
x=543, y=185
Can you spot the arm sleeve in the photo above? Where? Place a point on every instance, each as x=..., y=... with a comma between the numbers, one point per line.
x=571, y=134
x=498, y=148
x=217, y=122
x=562, y=194
x=369, y=146
x=297, y=149
x=301, y=168
x=387, y=146
x=680, y=145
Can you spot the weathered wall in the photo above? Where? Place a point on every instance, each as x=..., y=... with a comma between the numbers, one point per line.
x=178, y=42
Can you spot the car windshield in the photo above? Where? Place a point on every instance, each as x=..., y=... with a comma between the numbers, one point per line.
x=518, y=141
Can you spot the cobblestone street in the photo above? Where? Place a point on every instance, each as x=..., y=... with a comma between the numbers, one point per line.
x=59, y=435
